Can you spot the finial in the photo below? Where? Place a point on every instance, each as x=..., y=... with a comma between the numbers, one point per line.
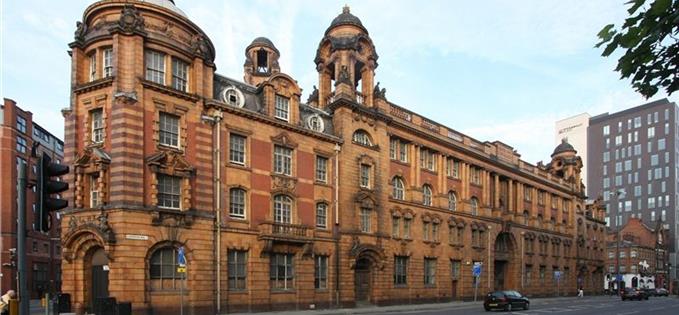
x=345, y=9
x=564, y=140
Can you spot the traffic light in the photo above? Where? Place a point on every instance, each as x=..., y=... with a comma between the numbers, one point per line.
x=47, y=185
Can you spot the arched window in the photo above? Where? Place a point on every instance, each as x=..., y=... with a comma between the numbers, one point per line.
x=426, y=195
x=237, y=203
x=475, y=206
x=398, y=188
x=452, y=201
x=321, y=215
x=361, y=137
x=163, y=269
x=282, y=209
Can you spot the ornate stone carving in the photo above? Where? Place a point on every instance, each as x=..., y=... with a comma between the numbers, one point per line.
x=381, y=94
x=130, y=20
x=284, y=183
x=171, y=219
x=99, y=223
x=313, y=97
x=201, y=48
x=343, y=76
x=80, y=31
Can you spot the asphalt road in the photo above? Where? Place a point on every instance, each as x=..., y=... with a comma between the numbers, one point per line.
x=601, y=305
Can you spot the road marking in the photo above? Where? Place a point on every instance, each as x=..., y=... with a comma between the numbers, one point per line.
x=633, y=312
x=656, y=309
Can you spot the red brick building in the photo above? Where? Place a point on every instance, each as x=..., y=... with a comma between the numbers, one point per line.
x=18, y=134
x=344, y=199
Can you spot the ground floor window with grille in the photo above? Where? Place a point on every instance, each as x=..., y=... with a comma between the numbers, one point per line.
x=321, y=272
x=429, y=271
x=400, y=270
x=238, y=262
x=163, y=271
x=282, y=272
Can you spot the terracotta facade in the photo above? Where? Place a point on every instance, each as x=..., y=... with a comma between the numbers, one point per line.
x=344, y=199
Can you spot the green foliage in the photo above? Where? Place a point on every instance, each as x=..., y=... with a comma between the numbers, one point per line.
x=649, y=39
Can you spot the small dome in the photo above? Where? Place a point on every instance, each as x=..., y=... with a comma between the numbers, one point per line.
x=564, y=147
x=167, y=4
x=346, y=18
x=263, y=41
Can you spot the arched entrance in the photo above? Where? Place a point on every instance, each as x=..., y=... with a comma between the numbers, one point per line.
x=362, y=280
x=98, y=275
x=504, y=265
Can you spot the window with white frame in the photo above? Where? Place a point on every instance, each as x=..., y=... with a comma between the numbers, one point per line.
x=282, y=209
x=400, y=270
x=237, y=203
x=282, y=160
x=398, y=149
x=169, y=130
x=365, y=221
x=475, y=175
x=108, y=62
x=155, y=66
x=94, y=191
x=237, y=267
x=93, y=65
x=361, y=137
x=452, y=201
x=428, y=159
x=365, y=175
x=321, y=272
x=426, y=195
x=282, y=107
x=180, y=74
x=169, y=191
x=452, y=167
x=237, y=149
x=282, y=271
x=321, y=169
x=398, y=189
x=474, y=206
x=429, y=271
x=97, y=125
x=321, y=215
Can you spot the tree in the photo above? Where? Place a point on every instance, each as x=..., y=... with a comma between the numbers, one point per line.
x=650, y=41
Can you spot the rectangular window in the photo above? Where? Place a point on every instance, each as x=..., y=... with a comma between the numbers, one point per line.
x=155, y=66
x=400, y=270
x=398, y=150
x=543, y=269
x=428, y=159
x=21, y=124
x=365, y=176
x=169, y=192
x=607, y=130
x=238, y=262
x=527, y=193
x=94, y=191
x=321, y=272
x=429, y=271
x=453, y=168
x=475, y=175
x=21, y=144
x=661, y=144
x=321, y=215
x=395, y=226
x=282, y=108
x=282, y=160
x=237, y=203
x=180, y=75
x=321, y=169
x=406, y=228
x=455, y=269
x=93, y=66
x=365, y=220
x=282, y=271
x=637, y=122
x=607, y=157
x=651, y=132
x=97, y=125
x=528, y=274
x=169, y=130
x=108, y=62
x=237, y=149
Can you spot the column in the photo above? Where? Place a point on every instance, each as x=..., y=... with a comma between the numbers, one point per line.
x=496, y=192
x=510, y=196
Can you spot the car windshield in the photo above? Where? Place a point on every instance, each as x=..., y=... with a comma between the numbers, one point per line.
x=497, y=294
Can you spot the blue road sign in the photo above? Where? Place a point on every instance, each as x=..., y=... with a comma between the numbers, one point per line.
x=181, y=258
x=476, y=269
x=619, y=277
x=557, y=275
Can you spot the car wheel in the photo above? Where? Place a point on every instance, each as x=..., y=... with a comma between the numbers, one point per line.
x=646, y=298
x=526, y=306
x=487, y=309
x=623, y=298
x=508, y=308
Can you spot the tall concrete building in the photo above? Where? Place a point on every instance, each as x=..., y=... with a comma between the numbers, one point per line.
x=633, y=166
x=574, y=130
x=18, y=134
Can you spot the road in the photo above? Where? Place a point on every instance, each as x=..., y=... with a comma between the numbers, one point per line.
x=600, y=305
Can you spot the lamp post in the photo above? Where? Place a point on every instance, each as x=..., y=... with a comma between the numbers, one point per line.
x=523, y=265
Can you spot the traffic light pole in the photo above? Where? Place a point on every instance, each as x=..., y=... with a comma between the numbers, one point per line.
x=24, y=298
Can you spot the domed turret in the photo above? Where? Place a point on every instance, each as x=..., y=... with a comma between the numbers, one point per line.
x=566, y=163
x=261, y=60
x=564, y=147
x=346, y=18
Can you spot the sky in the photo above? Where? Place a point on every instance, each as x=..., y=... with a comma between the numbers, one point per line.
x=494, y=70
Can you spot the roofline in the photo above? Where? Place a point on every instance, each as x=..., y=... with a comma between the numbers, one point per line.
x=605, y=116
x=571, y=117
x=35, y=125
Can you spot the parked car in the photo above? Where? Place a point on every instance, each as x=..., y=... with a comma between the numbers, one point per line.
x=661, y=292
x=633, y=294
x=506, y=300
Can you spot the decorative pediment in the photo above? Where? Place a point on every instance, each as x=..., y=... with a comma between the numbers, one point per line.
x=92, y=156
x=171, y=163
x=95, y=223
x=284, y=139
x=365, y=199
x=455, y=222
x=365, y=159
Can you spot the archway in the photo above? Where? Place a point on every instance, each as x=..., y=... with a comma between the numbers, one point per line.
x=504, y=265
x=362, y=280
x=96, y=267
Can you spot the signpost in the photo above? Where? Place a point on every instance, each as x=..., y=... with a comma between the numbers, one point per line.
x=181, y=269
x=476, y=272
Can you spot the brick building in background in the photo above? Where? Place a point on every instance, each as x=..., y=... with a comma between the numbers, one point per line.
x=642, y=253
x=18, y=134
x=344, y=199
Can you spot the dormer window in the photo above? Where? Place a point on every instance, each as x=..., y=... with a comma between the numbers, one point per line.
x=233, y=96
x=262, y=61
x=315, y=123
x=282, y=108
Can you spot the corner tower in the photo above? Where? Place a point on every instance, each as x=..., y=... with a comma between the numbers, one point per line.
x=567, y=164
x=346, y=61
x=261, y=61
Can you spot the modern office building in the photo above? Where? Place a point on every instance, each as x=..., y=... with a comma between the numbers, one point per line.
x=18, y=134
x=574, y=129
x=279, y=203
x=633, y=166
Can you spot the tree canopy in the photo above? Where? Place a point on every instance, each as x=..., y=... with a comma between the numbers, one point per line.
x=649, y=39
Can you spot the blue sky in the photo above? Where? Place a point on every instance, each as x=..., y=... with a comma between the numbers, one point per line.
x=495, y=70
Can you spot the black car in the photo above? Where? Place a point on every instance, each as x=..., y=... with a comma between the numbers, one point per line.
x=633, y=294
x=505, y=300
